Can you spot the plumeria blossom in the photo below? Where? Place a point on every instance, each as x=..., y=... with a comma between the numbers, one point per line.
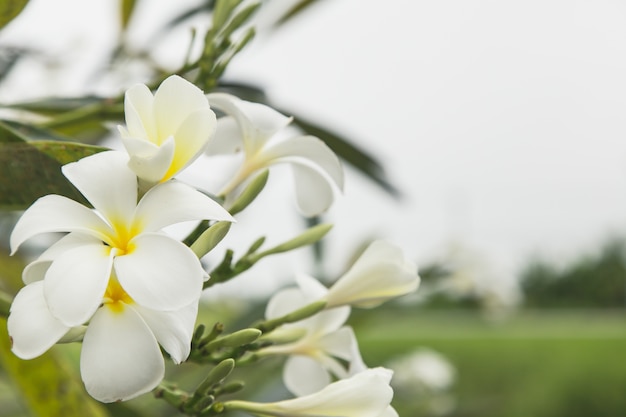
x=327, y=346
x=166, y=131
x=120, y=356
x=119, y=237
x=252, y=129
x=366, y=394
x=379, y=274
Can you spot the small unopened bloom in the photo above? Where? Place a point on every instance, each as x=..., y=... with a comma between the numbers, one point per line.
x=379, y=274
x=120, y=236
x=252, y=128
x=327, y=346
x=366, y=394
x=166, y=131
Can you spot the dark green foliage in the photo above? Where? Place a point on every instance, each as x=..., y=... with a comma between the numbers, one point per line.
x=593, y=281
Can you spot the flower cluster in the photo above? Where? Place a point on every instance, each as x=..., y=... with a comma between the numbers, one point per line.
x=119, y=283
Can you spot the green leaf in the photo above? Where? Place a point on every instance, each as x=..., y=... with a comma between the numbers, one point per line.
x=48, y=385
x=32, y=169
x=295, y=10
x=56, y=105
x=126, y=10
x=9, y=9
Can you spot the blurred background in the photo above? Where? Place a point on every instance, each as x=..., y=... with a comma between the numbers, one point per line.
x=494, y=135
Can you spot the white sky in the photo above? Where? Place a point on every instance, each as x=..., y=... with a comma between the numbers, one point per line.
x=504, y=123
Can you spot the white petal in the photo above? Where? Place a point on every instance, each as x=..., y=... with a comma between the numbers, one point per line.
x=328, y=320
x=312, y=149
x=31, y=326
x=284, y=302
x=36, y=270
x=173, y=329
x=174, y=100
x=138, y=110
x=303, y=375
x=257, y=122
x=160, y=273
x=173, y=202
x=313, y=191
x=106, y=182
x=366, y=394
x=310, y=286
x=341, y=344
x=228, y=138
x=148, y=161
x=120, y=358
x=76, y=282
x=54, y=213
x=389, y=412
x=191, y=139
x=380, y=273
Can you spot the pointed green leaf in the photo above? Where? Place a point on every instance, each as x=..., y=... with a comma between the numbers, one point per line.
x=295, y=10
x=127, y=8
x=9, y=9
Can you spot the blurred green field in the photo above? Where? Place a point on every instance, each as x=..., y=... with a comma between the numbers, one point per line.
x=535, y=363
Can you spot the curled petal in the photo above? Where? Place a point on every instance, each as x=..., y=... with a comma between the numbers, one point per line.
x=303, y=375
x=120, y=358
x=174, y=202
x=76, y=281
x=257, y=122
x=32, y=328
x=366, y=394
x=172, y=329
x=227, y=139
x=313, y=191
x=107, y=182
x=148, y=161
x=138, y=105
x=54, y=213
x=309, y=149
x=160, y=273
x=191, y=139
x=380, y=273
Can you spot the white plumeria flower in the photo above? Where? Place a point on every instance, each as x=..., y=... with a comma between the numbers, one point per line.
x=326, y=347
x=379, y=274
x=366, y=394
x=164, y=133
x=120, y=237
x=252, y=129
x=120, y=356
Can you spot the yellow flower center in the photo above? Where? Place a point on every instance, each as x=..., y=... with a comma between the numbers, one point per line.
x=121, y=237
x=115, y=297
